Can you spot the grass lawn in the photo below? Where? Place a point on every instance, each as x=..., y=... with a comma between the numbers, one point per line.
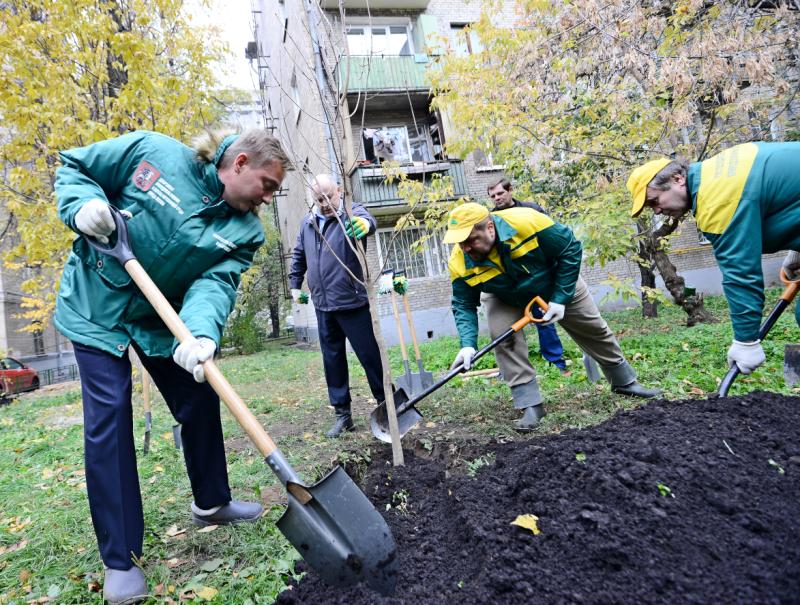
x=48, y=552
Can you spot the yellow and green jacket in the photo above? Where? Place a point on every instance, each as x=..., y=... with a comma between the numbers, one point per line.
x=746, y=201
x=533, y=256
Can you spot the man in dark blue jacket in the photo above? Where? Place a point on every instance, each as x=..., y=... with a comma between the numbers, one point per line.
x=325, y=254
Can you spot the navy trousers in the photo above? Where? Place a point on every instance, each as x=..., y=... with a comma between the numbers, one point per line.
x=354, y=325
x=112, y=481
x=549, y=342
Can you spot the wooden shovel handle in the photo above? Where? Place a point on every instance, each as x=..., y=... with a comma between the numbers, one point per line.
x=214, y=377
x=146, y=389
x=411, y=326
x=403, y=349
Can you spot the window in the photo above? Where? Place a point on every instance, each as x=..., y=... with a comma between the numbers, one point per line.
x=406, y=147
x=38, y=342
x=391, y=40
x=464, y=41
x=396, y=251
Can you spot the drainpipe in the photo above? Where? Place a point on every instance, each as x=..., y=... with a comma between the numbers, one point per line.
x=320, y=73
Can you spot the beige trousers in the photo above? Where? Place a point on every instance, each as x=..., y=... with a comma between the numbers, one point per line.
x=582, y=321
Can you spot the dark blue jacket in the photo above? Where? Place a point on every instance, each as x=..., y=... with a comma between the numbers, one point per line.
x=332, y=287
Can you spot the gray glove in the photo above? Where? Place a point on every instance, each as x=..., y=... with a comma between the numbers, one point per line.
x=747, y=355
x=464, y=357
x=191, y=354
x=791, y=265
x=94, y=219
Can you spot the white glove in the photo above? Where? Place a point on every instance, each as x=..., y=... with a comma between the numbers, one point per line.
x=94, y=219
x=191, y=354
x=554, y=313
x=747, y=355
x=464, y=357
x=791, y=265
x=295, y=295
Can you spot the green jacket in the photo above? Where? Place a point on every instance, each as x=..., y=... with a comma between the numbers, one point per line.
x=746, y=201
x=533, y=256
x=189, y=240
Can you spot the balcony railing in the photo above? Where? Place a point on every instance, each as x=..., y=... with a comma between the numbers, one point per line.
x=371, y=188
x=378, y=73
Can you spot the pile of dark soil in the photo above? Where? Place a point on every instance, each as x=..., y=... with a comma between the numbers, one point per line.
x=685, y=502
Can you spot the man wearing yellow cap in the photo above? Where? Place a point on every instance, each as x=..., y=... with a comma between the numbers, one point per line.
x=514, y=255
x=746, y=201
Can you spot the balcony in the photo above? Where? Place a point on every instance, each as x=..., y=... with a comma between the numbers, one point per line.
x=379, y=73
x=371, y=189
x=375, y=5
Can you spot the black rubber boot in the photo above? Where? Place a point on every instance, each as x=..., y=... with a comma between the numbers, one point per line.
x=623, y=381
x=635, y=389
x=530, y=419
x=344, y=422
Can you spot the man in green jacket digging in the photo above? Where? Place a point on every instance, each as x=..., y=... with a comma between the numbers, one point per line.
x=193, y=227
x=514, y=255
x=746, y=201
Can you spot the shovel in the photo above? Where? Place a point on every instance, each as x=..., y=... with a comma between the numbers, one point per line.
x=332, y=524
x=787, y=296
x=405, y=382
x=407, y=415
x=148, y=415
x=423, y=379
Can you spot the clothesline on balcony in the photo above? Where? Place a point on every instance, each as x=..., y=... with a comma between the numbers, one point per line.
x=371, y=170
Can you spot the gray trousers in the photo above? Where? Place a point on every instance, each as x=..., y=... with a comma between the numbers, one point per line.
x=582, y=321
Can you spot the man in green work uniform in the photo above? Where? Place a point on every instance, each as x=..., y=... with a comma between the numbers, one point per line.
x=193, y=227
x=516, y=254
x=746, y=201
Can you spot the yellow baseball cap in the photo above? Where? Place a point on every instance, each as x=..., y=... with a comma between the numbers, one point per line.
x=461, y=221
x=640, y=179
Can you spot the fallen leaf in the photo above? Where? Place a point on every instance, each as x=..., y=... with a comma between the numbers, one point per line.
x=207, y=593
x=430, y=425
x=24, y=575
x=527, y=522
x=158, y=469
x=207, y=528
x=174, y=531
x=14, y=547
x=211, y=565
x=308, y=436
x=175, y=562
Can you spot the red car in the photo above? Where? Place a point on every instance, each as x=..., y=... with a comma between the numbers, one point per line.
x=16, y=377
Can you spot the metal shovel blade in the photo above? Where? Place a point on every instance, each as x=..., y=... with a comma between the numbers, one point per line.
x=791, y=365
x=425, y=377
x=406, y=420
x=148, y=428
x=340, y=534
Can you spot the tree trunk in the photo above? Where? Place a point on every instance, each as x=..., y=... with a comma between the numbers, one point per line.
x=693, y=305
x=648, y=278
x=275, y=318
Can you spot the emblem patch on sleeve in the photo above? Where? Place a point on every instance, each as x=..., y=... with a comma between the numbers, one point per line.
x=145, y=176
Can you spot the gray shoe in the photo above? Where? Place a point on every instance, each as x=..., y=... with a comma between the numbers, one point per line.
x=530, y=419
x=124, y=587
x=233, y=512
x=635, y=389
